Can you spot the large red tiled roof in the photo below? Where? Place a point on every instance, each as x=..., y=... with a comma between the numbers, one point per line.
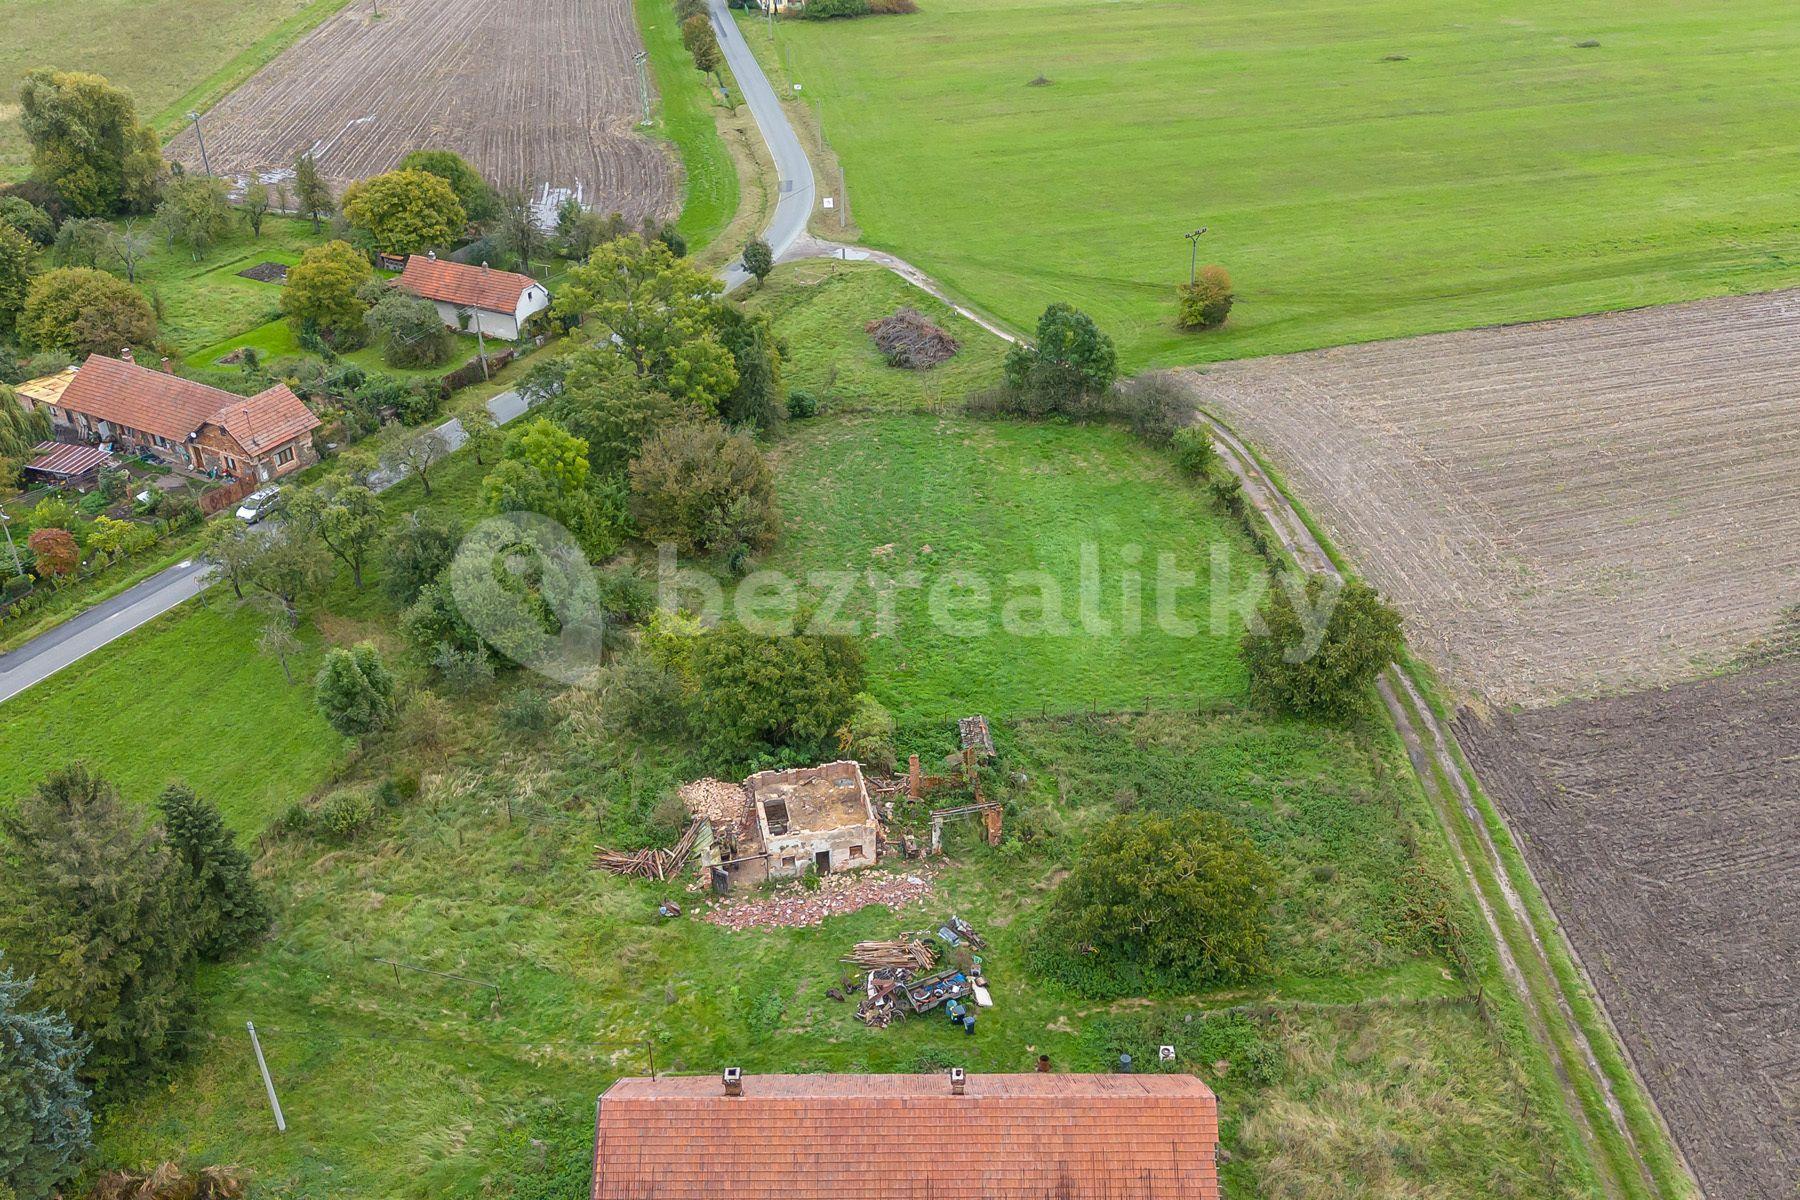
x=850, y=1137
x=457, y=283
x=172, y=407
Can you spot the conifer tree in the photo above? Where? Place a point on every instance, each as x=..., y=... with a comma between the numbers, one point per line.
x=45, y=1126
x=224, y=906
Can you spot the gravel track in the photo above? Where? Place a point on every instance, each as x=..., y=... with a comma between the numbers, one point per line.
x=541, y=97
x=1562, y=508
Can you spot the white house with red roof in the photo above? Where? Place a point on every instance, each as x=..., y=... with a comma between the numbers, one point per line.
x=498, y=303
x=137, y=410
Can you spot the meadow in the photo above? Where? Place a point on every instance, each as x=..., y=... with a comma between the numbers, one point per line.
x=174, y=55
x=1364, y=171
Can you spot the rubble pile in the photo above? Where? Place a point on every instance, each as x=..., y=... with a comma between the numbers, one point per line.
x=715, y=800
x=792, y=906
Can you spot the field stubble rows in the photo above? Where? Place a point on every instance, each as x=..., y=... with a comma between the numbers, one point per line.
x=1561, y=508
x=1662, y=826
x=540, y=97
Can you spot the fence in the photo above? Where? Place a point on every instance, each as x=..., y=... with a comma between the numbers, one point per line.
x=219, y=498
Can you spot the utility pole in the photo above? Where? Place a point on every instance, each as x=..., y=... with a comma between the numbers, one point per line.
x=268, y=1084
x=641, y=59
x=201, y=137
x=1194, y=252
x=6, y=524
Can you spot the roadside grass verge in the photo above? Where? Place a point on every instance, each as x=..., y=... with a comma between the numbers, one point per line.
x=187, y=696
x=683, y=112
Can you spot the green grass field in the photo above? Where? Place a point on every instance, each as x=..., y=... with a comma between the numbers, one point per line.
x=684, y=116
x=174, y=55
x=185, y=697
x=201, y=304
x=1496, y=172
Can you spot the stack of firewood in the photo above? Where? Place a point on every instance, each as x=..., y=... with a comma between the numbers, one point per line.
x=649, y=864
x=910, y=953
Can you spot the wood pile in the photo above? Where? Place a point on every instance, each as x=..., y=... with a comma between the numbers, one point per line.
x=910, y=953
x=908, y=339
x=650, y=864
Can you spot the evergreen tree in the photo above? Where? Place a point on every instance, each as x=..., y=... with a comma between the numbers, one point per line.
x=224, y=906
x=45, y=1127
x=90, y=903
x=354, y=691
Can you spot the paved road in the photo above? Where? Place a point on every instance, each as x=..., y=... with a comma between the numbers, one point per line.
x=86, y=632
x=794, y=201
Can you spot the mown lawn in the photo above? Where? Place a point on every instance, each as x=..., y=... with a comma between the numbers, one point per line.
x=186, y=697
x=1365, y=170
x=174, y=55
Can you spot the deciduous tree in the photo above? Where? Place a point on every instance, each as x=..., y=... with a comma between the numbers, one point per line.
x=415, y=552
x=195, y=212
x=416, y=454
x=346, y=519
x=312, y=195
x=1315, y=649
x=758, y=260
x=1071, y=358
x=288, y=565
x=54, y=553
x=91, y=904
x=229, y=546
x=88, y=144
x=277, y=640
x=408, y=330
x=18, y=262
x=82, y=311
x=322, y=289
x=28, y=219
x=256, y=204
x=21, y=429
x=405, y=212
x=477, y=197
x=516, y=229
x=706, y=490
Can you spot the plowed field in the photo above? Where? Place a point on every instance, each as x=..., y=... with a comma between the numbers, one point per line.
x=1561, y=508
x=541, y=97
x=1663, y=827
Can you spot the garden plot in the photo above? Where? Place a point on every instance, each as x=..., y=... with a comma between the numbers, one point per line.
x=1662, y=827
x=1561, y=508
x=540, y=97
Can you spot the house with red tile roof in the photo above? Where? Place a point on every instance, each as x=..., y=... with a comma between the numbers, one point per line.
x=137, y=410
x=498, y=303
x=947, y=1136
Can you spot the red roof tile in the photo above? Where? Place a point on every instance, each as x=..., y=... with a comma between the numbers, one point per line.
x=457, y=283
x=172, y=407
x=845, y=1137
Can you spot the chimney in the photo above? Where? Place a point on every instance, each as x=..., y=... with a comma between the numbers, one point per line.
x=484, y=265
x=125, y=355
x=431, y=255
x=958, y=1080
x=734, y=1081
x=168, y=368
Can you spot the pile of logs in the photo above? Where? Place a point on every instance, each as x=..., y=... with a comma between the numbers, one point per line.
x=908, y=339
x=909, y=953
x=649, y=864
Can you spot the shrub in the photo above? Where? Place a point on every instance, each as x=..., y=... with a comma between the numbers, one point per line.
x=1206, y=302
x=810, y=878
x=1194, y=451
x=1160, y=903
x=638, y=695
x=399, y=788
x=53, y=552
x=354, y=691
x=415, y=552
x=82, y=311
x=868, y=735
x=1070, y=362
x=345, y=814
x=408, y=330
x=802, y=404
x=524, y=710
x=706, y=490
x=1156, y=406
x=463, y=670
x=1314, y=649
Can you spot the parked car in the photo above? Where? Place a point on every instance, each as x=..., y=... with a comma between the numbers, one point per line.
x=259, y=504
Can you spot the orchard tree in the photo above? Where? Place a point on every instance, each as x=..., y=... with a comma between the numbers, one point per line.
x=415, y=552
x=706, y=490
x=478, y=199
x=18, y=262
x=758, y=260
x=87, y=143
x=229, y=547
x=1161, y=902
x=45, y=1126
x=354, y=691
x=405, y=212
x=81, y=311
x=312, y=195
x=129, y=245
x=256, y=204
x=415, y=454
x=195, y=212
x=91, y=904
x=225, y=908
x=322, y=289
x=277, y=640
x=482, y=434
x=346, y=519
x=288, y=565
x=1070, y=359
x=1315, y=648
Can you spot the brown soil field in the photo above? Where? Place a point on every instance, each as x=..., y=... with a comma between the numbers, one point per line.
x=1665, y=829
x=542, y=97
x=1563, y=508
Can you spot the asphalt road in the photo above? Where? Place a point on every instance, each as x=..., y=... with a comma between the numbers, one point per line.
x=87, y=631
x=794, y=199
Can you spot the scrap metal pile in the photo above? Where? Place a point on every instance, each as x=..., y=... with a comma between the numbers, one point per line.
x=905, y=977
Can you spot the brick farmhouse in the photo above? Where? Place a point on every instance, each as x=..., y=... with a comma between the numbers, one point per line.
x=138, y=410
x=498, y=303
x=843, y=1137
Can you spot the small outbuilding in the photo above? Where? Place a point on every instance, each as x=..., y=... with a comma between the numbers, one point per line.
x=820, y=817
x=497, y=303
x=67, y=465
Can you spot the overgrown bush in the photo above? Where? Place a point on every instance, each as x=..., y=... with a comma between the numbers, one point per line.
x=344, y=814
x=706, y=490
x=408, y=330
x=638, y=695
x=1194, y=451
x=524, y=710
x=1069, y=366
x=1206, y=302
x=802, y=404
x=1155, y=406
x=402, y=787
x=463, y=671
x=868, y=735
x=1159, y=903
